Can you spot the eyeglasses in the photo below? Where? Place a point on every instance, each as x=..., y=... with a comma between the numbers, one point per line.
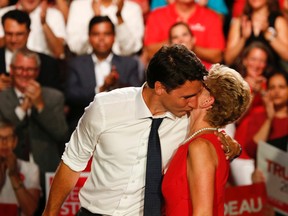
x=20, y=69
x=8, y=138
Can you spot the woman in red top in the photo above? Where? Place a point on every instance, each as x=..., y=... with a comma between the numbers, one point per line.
x=254, y=64
x=261, y=21
x=271, y=122
x=195, y=180
x=271, y=125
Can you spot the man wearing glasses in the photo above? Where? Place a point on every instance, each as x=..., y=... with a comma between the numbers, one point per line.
x=19, y=180
x=37, y=113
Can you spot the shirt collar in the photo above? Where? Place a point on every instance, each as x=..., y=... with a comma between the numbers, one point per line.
x=142, y=111
x=107, y=60
x=18, y=93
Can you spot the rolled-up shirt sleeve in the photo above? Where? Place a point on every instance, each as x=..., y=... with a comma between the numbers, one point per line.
x=84, y=139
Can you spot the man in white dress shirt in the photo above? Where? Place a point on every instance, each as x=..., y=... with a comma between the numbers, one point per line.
x=126, y=16
x=48, y=33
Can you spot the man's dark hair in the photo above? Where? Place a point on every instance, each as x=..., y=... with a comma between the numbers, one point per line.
x=4, y=123
x=173, y=66
x=100, y=19
x=280, y=72
x=19, y=16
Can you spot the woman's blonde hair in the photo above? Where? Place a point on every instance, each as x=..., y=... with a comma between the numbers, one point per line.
x=231, y=93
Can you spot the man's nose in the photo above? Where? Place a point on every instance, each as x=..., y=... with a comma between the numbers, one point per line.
x=189, y=103
x=14, y=38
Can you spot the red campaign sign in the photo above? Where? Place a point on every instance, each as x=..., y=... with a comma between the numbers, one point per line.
x=247, y=200
x=71, y=204
x=8, y=209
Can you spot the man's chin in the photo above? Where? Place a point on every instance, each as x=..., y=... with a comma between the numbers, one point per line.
x=180, y=115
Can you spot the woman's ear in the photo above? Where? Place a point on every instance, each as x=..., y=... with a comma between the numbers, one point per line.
x=207, y=102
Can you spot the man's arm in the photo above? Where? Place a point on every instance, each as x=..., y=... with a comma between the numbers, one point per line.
x=5, y=82
x=63, y=182
x=130, y=28
x=231, y=147
x=209, y=54
x=56, y=44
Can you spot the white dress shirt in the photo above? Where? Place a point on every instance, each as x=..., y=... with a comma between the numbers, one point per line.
x=20, y=113
x=129, y=34
x=8, y=58
x=101, y=69
x=114, y=130
x=37, y=40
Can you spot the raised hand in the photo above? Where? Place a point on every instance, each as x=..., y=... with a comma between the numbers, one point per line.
x=44, y=6
x=11, y=162
x=110, y=80
x=3, y=168
x=246, y=27
x=96, y=7
x=5, y=82
x=33, y=92
x=269, y=106
x=119, y=4
x=256, y=83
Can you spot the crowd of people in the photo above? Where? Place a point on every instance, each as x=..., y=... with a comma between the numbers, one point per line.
x=56, y=55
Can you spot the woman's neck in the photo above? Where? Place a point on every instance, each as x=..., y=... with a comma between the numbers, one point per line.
x=281, y=111
x=260, y=12
x=197, y=122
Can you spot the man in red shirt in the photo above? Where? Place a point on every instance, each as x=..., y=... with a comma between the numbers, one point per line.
x=205, y=24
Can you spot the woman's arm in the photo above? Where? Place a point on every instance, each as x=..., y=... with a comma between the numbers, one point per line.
x=263, y=132
x=63, y=6
x=236, y=40
x=278, y=38
x=201, y=167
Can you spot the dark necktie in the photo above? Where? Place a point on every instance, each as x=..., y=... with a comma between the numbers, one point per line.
x=25, y=154
x=153, y=195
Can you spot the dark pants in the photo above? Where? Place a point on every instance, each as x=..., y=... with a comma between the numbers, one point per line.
x=84, y=212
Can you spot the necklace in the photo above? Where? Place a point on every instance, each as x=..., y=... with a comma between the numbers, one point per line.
x=199, y=131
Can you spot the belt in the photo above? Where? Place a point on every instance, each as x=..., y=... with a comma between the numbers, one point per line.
x=84, y=212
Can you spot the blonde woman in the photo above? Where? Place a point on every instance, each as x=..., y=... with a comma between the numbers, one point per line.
x=195, y=179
